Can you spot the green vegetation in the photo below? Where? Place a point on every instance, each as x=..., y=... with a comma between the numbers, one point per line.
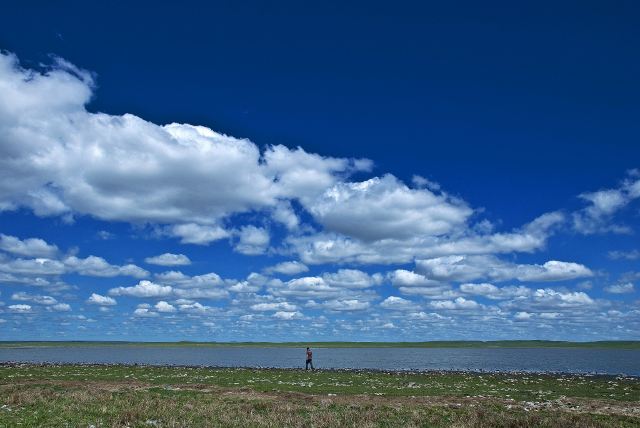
x=84, y=395
x=432, y=344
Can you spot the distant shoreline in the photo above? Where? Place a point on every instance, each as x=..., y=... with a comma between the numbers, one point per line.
x=501, y=344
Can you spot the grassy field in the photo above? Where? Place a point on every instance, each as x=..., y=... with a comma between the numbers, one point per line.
x=86, y=395
x=432, y=344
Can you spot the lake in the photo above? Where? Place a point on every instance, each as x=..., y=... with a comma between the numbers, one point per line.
x=569, y=360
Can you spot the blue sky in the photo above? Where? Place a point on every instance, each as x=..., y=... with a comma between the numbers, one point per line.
x=320, y=172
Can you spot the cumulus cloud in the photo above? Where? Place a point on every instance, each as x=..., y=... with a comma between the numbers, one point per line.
x=345, y=305
x=490, y=291
x=19, y=309
x=58, y=159
x=316, y=288
x=406, y=278
x=252, y=240
x=397, y=304
x=286, y=316
x=522, y=316
x=326, y=247
x=385, y=208
x=143, y=289
x=97, y=299
x=305, y=287
x=620, y=288
x=97, y=266
x=30, y=271
x=31, y=247
x=288, y=268
x=143, y=312
x=60, y=307
x=459, y=303
x=38, y=299
x=201, y=293
x=598, y=215
x=178, y=279
x=284, y=214
x=165, y=307
x=352, y=278
x=252, y=284
x=39, y=266
x=279, y=306
x=193, y=233
x=469, y=268
x=168, y=259
x=549, y=300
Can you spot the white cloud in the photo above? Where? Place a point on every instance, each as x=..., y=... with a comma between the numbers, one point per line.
x=105, y=235
x=143, y=289
x=352, y=278
x=620, y=288
x=469, y=268
x=206, y=286
x=192, y=233
x=326, y=247
x=97, y=299
x=59, y=159
x=252, y=241
x=288, y=268
x=178, y=279
x=283, y=315
x=89, y=266
x=285, y=214
x=552, y=270
x=201, y=293
x=484, y=289
x=61, y=307
x=522, y=316
x=31, y=247
x=405, y=278
x=385, y=208
x=38, y=299
x=19, y=309
x=490, y=291
x=625, y=255
x=549, y=300
x=252, y=284
x=97, y=266
x=397, y=304
x=33, y=281
x=459, y=303
x=597, y=216
x=144, y=313
x=169, y=259
x=39, y=266
x=305, y=287
x=346, y=305
x=165, y=307
x=280, y=306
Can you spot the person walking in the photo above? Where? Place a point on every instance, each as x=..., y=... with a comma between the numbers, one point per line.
x=309, y=359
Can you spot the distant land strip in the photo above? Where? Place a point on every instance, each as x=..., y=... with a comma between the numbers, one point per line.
x=609, y=344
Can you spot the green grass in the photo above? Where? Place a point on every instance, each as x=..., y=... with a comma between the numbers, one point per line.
x=83, y=395
x=432, y=344
x=461, y=384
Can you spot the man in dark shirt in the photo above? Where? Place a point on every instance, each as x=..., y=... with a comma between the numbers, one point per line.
x=309, y=359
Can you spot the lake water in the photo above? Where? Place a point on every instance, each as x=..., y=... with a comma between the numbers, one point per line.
x=610, y=361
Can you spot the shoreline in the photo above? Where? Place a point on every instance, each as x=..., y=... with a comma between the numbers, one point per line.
x=392, y=372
